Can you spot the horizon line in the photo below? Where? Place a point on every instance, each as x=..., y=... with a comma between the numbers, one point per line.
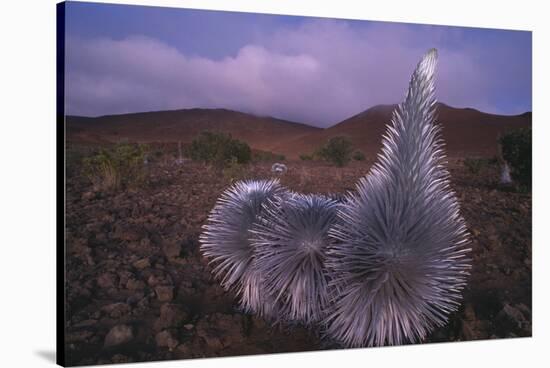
x=281, y=119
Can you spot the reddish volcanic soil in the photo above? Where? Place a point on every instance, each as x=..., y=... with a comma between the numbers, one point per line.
x=183, y=125
x=466, y=131
x=137, y=288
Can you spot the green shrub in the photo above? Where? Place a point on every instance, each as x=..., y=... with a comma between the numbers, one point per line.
x=516, y=148
x=337, y=150
x=233, y=171
x=359, y=156
x=219, y=149
x=493, y=160
x=474, y=165
x=305, y=157
x=117, y=167
x=74, y=156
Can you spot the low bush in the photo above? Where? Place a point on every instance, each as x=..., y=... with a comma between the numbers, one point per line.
x=474, y=165
x=219, y=149
x=359, y=156
x=338, y=150
x=233, y=171
x=74, y=156
x=117, y=167
x=516, y=147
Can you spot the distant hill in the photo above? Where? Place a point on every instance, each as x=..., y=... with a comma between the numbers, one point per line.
x=183, y=125
x=466, y=131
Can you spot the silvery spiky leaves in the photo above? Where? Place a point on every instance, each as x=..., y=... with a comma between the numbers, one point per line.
x=399, y=260
x=290, y=243
x=225, y=240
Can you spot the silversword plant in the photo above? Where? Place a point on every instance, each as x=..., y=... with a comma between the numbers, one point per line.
x=383, y=266
x=290, y=242
x=225, y=240
x=399, y=262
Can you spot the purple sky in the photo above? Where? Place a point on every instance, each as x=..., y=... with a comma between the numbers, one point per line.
x=318, y=71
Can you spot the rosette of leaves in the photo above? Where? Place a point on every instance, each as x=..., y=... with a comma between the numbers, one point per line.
x=225, y=240
x=290, y=242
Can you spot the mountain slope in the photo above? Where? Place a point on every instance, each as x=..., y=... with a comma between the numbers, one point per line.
x=465, y=131
x=183, y=125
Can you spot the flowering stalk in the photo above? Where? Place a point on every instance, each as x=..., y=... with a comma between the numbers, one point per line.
x=399, y=262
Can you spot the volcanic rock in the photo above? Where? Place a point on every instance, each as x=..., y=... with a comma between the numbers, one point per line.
x=165, y=339
x=106, y=280
x=116, y=310
x=164, y=293
x=120, y=334
x=142, y=263
x=171, y=249
x=171, y=315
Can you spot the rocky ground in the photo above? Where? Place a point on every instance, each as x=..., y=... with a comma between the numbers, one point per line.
x=137, y=288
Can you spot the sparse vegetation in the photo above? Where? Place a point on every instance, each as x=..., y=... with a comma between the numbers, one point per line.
x=176, y=202
x=267, y=156
x=219, y=149
x=474, y=165
x=305, y=157
x=157, y=154
x=516, y=150
x=117, y=167
x=74, y=156
x=233, y=171
x=359, y=156
x=338, y=150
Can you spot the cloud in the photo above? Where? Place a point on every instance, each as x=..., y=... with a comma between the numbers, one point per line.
x=319, y=73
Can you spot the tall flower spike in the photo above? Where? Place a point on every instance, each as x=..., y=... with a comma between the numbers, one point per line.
x=225, y=240
x=290, y=243
x=399, y=261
